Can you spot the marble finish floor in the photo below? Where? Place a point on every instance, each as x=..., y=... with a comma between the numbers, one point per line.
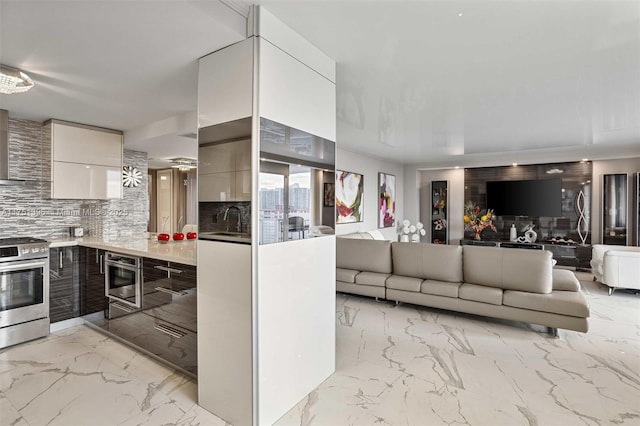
x=406, y=365
x=396, y=365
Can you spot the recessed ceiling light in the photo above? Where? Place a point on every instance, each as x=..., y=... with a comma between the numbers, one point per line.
x=456, y=167
x=460, y=14
x=514, y=164
x=584, y=160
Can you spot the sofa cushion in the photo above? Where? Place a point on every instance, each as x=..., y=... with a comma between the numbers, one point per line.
x=346, y=275
x=565, y=280
x=572, y=303
x=440, y=288
x=404, y=283
x=371, y=278
x=480, y=293
x=363, y=255
x=508, y=268
x=429, y=261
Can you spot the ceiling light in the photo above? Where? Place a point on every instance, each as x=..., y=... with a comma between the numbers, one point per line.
x=460, y=14
x=554, y=171
x=514, y=164
x=13, y=80
x=584, y=160
x=184, y=164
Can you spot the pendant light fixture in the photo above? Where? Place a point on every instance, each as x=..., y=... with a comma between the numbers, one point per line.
x=184, y=164
x=12, y=80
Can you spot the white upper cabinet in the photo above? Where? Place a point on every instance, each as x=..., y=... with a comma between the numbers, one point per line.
x=225, y=84
x=86, y=146
x=216, y=158
x=242, y=151
x=224, y=171
x=86, y=182
x=86, y=162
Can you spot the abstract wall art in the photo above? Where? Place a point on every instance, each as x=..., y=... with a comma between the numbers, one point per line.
x=349, y=197
x=386, y=200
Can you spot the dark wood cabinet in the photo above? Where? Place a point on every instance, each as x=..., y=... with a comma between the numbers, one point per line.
x=170, y=293
x=166, y=325
x=64, y=283
x=92, y=295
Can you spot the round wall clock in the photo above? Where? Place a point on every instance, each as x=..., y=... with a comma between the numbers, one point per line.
x=131, y=176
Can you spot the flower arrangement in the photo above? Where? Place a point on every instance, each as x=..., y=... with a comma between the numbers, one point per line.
x=413, y=232
x=475, y=221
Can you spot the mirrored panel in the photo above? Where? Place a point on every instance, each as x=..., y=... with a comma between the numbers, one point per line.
x=297, y=171
x=286, y=144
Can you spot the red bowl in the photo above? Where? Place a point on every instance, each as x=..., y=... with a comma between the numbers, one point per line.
x=178, y=236
x=164, y=237
x=192, y=235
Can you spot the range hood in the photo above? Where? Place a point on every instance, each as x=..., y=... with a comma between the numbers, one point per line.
x=4, y=150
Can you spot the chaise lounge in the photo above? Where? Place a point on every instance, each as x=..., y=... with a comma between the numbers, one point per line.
x=511, y=284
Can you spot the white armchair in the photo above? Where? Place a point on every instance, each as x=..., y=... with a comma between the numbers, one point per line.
x=616, y=266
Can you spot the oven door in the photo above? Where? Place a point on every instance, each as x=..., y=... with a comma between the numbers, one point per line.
x=24, y=291
x=123, y=282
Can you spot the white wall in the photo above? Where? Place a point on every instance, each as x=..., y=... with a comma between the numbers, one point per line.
x=370, y=167
x=455, y=179
x=631, y=166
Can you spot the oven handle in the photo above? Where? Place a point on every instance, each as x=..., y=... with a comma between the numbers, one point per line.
x=167, y=269
x=126, y=266
x=21, y=266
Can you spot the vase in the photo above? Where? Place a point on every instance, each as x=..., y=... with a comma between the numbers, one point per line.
x=404, y=238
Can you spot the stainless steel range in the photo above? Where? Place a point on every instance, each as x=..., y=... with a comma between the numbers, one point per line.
x=24, y=290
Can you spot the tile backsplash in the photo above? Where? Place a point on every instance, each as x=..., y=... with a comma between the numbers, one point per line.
x=211, y=216
x=27, y=209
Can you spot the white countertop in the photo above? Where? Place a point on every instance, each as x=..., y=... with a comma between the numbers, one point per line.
x=172, y=251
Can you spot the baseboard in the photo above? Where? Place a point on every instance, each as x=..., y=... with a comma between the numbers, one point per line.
x=61, y=325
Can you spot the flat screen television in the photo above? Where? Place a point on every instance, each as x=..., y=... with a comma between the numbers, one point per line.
x=525, y=197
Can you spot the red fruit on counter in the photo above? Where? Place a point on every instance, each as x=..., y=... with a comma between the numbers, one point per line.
x=164, y=237
x=192, y=235
x=178, y=236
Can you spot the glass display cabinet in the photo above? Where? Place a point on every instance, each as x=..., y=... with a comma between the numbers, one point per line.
x=615, y=209
x=439, y=212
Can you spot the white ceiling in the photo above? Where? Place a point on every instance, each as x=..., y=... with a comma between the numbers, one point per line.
x=417, y=83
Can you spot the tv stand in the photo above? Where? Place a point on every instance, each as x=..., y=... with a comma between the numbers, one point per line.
x=575, y=256
x=503, y=244
x=530, y=246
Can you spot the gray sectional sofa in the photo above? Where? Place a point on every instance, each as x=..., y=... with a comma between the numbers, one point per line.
x=511, y=284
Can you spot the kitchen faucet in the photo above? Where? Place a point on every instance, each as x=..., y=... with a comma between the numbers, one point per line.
x=233, y=209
